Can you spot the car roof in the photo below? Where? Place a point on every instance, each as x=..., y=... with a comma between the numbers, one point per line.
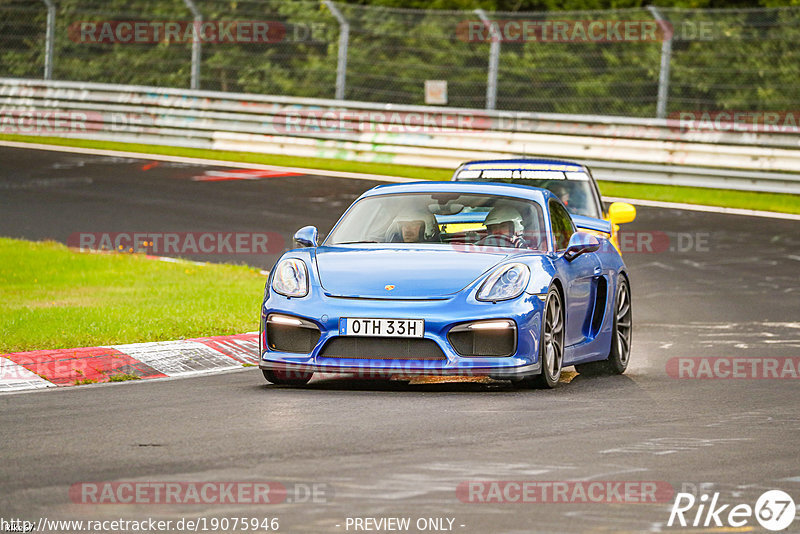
x=525, y=163
x=536, y=194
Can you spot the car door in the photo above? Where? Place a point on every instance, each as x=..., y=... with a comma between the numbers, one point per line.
x=578, y=276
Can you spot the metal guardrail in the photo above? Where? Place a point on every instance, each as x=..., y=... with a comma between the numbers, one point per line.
x=654, y=151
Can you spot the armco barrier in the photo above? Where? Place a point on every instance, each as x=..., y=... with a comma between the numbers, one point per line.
x=655, y=151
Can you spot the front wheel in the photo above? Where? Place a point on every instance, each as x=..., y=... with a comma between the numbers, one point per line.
x=620, y=352
x=551, y=344
x=287, y=377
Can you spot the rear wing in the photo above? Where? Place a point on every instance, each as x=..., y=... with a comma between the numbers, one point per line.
x=590, y=223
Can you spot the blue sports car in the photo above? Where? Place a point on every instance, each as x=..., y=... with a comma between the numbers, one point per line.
x=449, y=278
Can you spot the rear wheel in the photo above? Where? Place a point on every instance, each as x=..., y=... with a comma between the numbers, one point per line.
x=551, y=344
x=286, y=377
x=620, y=352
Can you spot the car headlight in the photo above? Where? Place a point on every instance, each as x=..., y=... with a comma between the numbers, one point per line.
x=506, y=282
x=291, y=278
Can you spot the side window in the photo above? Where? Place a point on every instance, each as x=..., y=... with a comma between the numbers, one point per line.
x=562, y=225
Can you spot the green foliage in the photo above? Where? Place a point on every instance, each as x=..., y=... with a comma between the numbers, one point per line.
x=568, y=5
x=743, y=59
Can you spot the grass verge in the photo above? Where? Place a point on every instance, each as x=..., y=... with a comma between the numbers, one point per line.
x=54, y=297
x=725, y=198
x=667, y=193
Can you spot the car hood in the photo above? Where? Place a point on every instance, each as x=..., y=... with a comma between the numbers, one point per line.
x=415, y=273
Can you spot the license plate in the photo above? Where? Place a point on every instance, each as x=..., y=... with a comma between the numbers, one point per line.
x=352, y=326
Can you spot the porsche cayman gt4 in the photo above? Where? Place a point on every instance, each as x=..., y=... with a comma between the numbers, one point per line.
x=453, y=278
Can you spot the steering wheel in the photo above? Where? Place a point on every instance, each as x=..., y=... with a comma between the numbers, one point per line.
x=502, y=237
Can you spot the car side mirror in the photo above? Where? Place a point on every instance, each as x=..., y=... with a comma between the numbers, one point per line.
x=306, y=236
x=580, y=243
x=621, y=213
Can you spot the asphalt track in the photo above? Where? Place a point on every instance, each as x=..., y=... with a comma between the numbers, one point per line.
x=397, y=449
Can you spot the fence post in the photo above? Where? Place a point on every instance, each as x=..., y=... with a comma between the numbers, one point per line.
x=49, y=42
x=666, y=56
x=344, y=40
x=197, y=46
x=494, y=60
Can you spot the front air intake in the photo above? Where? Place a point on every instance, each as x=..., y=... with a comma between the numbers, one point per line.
x=382, y=348
x=485, y=339
x=291, y=334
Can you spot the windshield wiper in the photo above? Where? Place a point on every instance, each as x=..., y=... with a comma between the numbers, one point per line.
x=353, y=242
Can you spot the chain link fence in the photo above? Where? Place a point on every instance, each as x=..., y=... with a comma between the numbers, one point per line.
x=631, y=62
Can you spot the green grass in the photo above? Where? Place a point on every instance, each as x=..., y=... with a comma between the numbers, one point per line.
x=690, y=195
x=701, y=195
x=54, y=297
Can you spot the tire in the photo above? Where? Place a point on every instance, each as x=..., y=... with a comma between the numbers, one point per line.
x=551, y=344
x=620, y=353
x=284, y=377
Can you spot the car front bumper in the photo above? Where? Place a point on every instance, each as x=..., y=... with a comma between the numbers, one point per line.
x=440, y=317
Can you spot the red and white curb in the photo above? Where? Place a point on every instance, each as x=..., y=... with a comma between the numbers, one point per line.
x=241, y=174
x=21, y=371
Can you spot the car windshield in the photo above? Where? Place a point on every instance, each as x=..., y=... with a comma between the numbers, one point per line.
x=573, y=188
x=451, y=218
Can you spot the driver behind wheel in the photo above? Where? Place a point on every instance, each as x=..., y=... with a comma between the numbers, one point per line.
x=415, y=226
x=562, y=192
x=502, y=224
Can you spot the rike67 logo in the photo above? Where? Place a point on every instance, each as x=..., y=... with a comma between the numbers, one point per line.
x=774, y=510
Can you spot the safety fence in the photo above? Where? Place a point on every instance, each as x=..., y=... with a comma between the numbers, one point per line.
x=639, y=62
x=706, y=151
